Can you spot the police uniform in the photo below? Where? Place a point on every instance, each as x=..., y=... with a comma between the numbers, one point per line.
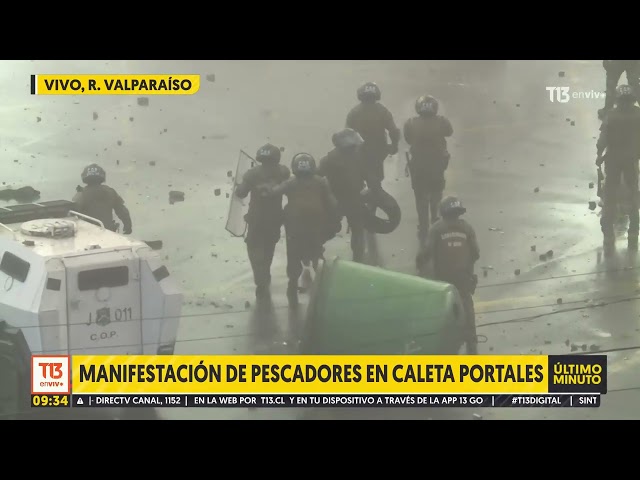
x=343, y=169
x=309, y=218
x=426, y=136
x=373, y=121
x=620, y=142
x=452, y=246
x=265, y=216
x=100, y=201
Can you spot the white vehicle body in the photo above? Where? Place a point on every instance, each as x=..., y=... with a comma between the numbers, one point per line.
x=74, y=287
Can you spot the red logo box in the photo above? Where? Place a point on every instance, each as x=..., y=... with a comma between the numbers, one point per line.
x=50, y=374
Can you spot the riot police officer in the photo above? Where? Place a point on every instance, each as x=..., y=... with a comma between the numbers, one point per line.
x=452, y=246
x=614, y=70
x=618, y=147
x=265, y=216
x=427, y=135
x=344, y=170
x=373, y=121
x=310, y=218
x=100, y=201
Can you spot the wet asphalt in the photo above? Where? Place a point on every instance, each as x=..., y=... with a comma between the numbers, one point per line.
x=522, y=164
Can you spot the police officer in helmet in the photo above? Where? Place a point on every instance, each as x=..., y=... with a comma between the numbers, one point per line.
x=100, y=201
x=265, y=216
x=618, y=147
x=373, y=121
x=614, y=70
x=310, y=218
x=453, y=248
x=344, y=170
x=427, y=135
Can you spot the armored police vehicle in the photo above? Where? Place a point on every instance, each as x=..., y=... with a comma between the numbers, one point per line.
x=70, y=286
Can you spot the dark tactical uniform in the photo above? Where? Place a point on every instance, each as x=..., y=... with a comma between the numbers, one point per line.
x=452, y=246
x=426, y=135
x=620, y=142
x=372, y=121
x=100, y=201
x=309, y=218
x=614, y=70
x=343, y=169
x=264, y=217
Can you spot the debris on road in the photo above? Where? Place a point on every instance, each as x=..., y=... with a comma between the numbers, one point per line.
x=591, y=184
x=38, y=119
x=533, y=248
x=594, y=348
x=152, y=163
x=131, y=119
x=119, y=143
x=211, y=77
x=561, y=74
x=176, y=196
x=229, y=173
x=549, y=254
x=592, y=205
x=536, y=190
x=567, y=342
x=95, y=116
x=143, y=101
x=543, y=258
x=547, y=342
x=517, y=272
x=574, y=347
x=573, y=124
x=559, y=301
x=216, y=192
x=247, y=304
x=477, y=416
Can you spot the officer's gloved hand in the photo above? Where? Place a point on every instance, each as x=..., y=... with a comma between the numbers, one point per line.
x=393, y=149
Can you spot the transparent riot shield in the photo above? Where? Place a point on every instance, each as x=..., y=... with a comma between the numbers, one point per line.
x=236, y=223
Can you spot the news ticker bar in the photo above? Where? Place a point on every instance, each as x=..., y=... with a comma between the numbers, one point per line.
x=359, y=400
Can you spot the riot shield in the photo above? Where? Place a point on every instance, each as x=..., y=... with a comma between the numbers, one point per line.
x=236, y=223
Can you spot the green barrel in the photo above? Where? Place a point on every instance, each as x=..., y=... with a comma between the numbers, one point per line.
x=359, y=309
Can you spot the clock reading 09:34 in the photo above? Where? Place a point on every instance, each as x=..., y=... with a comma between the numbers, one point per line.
x=49, y=400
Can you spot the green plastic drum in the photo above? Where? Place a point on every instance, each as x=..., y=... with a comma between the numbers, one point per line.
x=359, y=309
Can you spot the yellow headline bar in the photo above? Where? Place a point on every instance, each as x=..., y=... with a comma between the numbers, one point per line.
x=330, y=374
x=115, y=84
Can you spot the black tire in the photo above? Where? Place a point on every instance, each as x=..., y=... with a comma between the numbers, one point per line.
x=389, y=206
